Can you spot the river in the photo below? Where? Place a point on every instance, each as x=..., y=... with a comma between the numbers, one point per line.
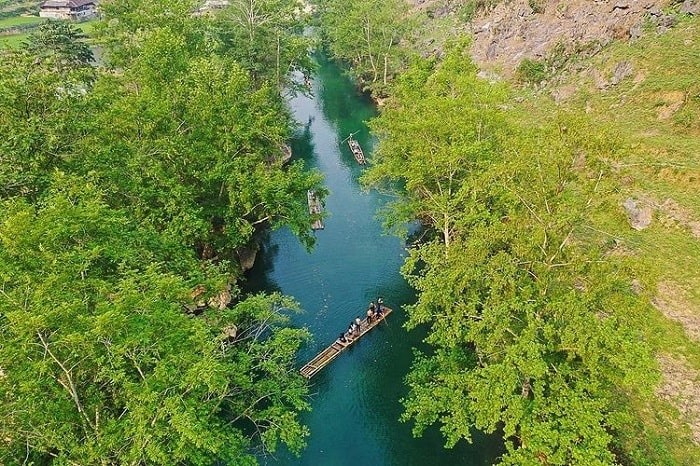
x=356, y=400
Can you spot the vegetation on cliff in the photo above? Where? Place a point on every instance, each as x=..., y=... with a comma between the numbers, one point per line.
x=534, y=325
x=538, y=297
x=124, y=192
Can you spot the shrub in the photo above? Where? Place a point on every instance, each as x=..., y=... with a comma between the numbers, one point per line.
x=532, y=71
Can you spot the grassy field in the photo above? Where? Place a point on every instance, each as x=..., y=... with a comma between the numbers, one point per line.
x=15, y=40
x=19, y=21
x=19, y=5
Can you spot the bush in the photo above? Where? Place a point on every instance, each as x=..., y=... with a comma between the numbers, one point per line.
x=471, y=7
x=532, y=71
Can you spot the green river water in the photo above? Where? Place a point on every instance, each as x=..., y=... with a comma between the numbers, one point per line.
x=355, y=400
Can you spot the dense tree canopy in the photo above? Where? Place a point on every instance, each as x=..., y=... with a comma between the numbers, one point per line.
x=533, y=323
x=125, y=191
x=367, y=34
x=267, y=38
x=102, y=366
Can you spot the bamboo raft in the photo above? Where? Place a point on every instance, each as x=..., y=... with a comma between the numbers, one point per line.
x=329, y=354
x=356, y=150
x=315, y=209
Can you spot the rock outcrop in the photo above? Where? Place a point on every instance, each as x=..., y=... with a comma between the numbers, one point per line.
x=639, y=215
x=513, y=31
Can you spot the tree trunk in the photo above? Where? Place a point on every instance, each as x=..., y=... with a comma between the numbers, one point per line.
x=446, y=232
x=386, y=67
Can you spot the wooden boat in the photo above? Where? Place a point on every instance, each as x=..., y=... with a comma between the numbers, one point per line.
x=356, y=150
x=329, y=354
x=315, y=208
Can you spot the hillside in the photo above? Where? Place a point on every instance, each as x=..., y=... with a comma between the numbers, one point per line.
x=530, y=130
x=647, y=91
x=631, y=67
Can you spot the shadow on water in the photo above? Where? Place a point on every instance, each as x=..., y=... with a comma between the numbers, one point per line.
x=302, y=143
x=355, y=400
x=259, y=278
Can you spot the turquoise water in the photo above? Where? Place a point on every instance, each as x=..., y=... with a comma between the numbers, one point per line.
x=356, y=399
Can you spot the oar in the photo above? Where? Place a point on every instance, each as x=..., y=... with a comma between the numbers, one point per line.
x=351, y=135
x=384, y=317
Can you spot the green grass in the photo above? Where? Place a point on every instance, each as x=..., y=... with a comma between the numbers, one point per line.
x=12, y=41
x=19, y=21
x=88, y=26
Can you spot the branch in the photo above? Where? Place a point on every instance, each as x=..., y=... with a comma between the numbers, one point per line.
x=264, y=219
x=528, y=207
x=71, y=385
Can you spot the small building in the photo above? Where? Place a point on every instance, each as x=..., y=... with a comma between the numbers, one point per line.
x=209, y=6
x=69, y=9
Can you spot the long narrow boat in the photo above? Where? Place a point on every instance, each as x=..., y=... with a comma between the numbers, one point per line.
x=315, y=209
x=329, y=354
x=356, y=150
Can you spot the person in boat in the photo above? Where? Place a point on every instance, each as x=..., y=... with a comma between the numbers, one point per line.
x=351, y=330
x=380, y=307
x=358, y=323
x=370, y=312
x=341, y=339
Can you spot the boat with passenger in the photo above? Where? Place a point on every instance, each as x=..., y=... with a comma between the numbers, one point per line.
x=356, y=149
x=342, y=343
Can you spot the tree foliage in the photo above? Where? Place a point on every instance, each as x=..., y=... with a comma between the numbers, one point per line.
x=60, y=40
x=125, y=192
x=267, y=38
x=367, y=34
x=43, y=106
x=532, y=322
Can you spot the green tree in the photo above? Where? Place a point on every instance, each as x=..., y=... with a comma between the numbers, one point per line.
x=533, y=325
x=63, y=41
x=115, y=184
x=127, y=22
x=206, y=143
x=267, y=38
x=42, y=118
x=100, y=364
x=205, y=136
x=367, y=34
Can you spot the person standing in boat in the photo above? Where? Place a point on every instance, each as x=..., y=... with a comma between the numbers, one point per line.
x=370, y=312
x=380, y=307
x=358, y=323
x=351, y=330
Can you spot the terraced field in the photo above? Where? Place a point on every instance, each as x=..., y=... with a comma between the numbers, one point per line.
x=19, y=18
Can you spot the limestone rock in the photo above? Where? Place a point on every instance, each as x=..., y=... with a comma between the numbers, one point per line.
x=639, y=216
x=599, y=80
x=690, y=7
x=508, y=32
x=230, y=332
x=247, y=255
x=622, y=70
x=636, y=31
x=222, y=300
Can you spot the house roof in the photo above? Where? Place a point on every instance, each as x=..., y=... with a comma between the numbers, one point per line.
x=68, y=3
